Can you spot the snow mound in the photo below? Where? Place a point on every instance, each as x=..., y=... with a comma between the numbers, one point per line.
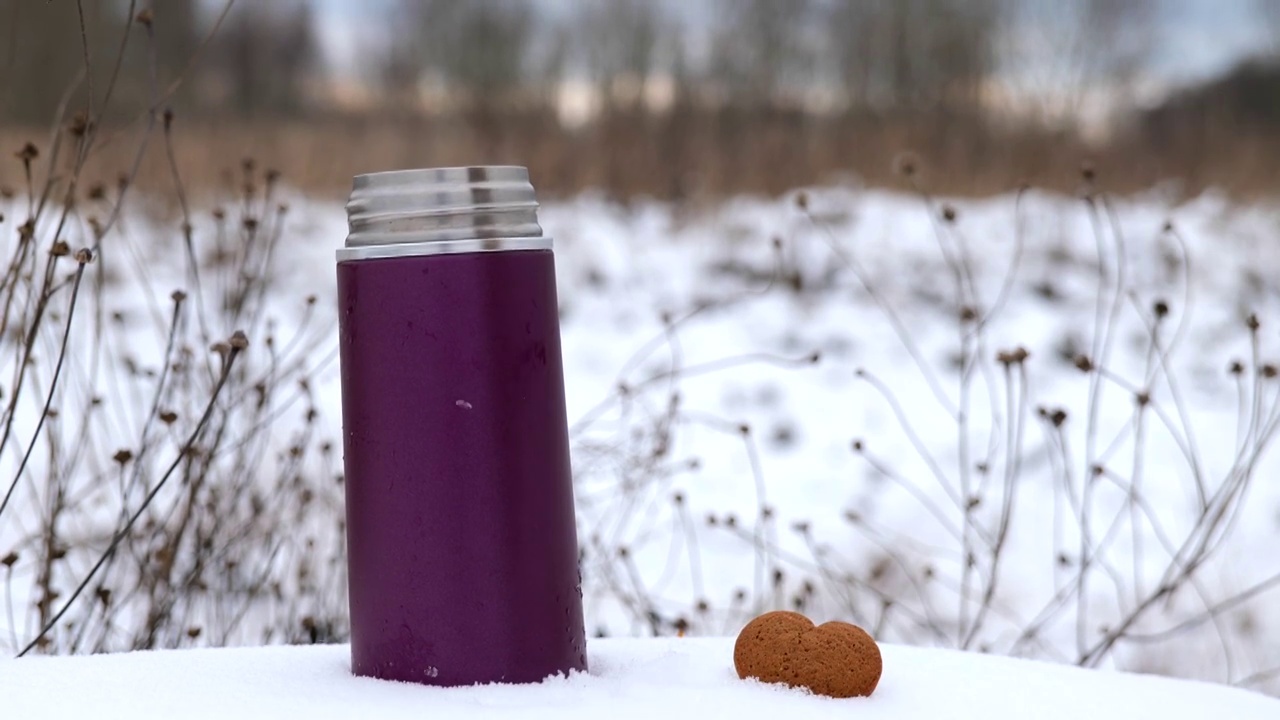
x=629, y=678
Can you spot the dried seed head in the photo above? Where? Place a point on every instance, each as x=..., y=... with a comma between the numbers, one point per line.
x=906, y=164
x=122, y=456
x=744, y=429
x=1236, y=367
x=1252, y=323
x=678, y=498
x=1269, y=371
x=1013, y=357
x=1084, y=364
x=97, y=191
x=948, y=213
x=80, y=124
x=193, y=632
x=1161, y=309
x=1058, y=417
x=144, y=17
x=178, y=296
x=968, y=314
x=84, y=256
x=28, y=153
x=802, y=200
x=857, y=446
x=239, y=341
x=9, y=560
x=1142, y=398
x=168, y=417
x=60, y=249
x=1088, y=172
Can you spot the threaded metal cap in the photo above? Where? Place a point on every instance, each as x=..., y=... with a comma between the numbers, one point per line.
x=442, y=210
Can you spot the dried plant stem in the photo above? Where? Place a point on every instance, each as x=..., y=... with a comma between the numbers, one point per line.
x=88, y=66
x=125, y=531
x=53, y=386
x=899, y=327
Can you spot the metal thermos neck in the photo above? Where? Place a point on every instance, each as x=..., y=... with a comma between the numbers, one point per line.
x=440, y=211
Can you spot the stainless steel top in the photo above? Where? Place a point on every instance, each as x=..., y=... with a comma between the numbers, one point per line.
x=442, y=210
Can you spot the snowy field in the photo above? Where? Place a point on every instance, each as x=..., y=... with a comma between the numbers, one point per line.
x=682, y=678
x=826, y=408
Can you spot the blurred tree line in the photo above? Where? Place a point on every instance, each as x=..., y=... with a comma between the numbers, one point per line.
x=859, y=56
x=262, y=60
x=757, y=83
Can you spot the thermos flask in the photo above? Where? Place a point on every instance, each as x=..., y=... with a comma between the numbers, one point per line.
x=461, y=542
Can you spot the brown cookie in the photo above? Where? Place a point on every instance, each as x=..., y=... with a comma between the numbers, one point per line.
x=835, y=659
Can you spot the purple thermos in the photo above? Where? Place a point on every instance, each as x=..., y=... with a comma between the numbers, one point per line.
x=461, y=541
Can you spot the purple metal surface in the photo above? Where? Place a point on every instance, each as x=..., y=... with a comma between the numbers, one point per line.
x=461, y=540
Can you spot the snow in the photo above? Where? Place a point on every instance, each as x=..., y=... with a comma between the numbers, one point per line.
x=629, y=678
x=708, y=561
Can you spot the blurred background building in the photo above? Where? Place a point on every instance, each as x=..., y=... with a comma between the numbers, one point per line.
x=674, y=99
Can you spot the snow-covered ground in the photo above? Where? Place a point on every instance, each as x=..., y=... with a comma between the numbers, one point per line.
x=721, y=471
x=629, y=678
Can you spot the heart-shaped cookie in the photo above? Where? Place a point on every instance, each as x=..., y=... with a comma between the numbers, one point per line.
x=835, y=659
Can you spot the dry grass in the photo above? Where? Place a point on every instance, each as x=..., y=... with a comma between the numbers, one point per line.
x=686, y=155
